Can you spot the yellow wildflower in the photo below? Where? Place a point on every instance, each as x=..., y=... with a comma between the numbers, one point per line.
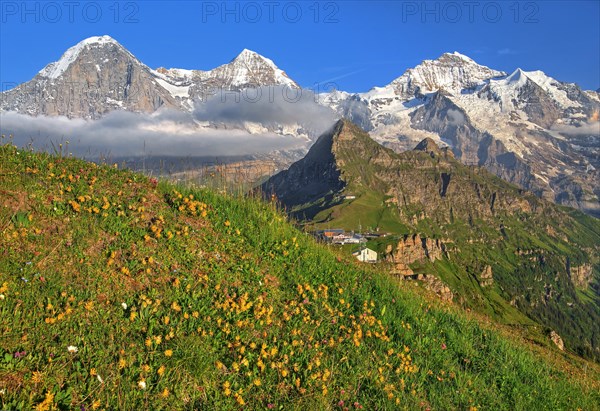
x=37, y=377
x=47, y=404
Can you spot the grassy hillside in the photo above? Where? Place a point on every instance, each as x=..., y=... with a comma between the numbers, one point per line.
x=544, y=259
x=118, y=292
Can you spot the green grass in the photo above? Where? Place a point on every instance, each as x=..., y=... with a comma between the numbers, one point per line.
x=366, y=213
x=216, y=302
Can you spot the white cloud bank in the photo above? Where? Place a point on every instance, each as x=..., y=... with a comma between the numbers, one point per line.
x=176, y=133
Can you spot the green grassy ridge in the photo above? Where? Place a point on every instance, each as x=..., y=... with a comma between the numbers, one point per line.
x=67, y=266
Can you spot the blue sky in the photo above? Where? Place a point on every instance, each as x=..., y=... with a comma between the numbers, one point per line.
x=354, y=44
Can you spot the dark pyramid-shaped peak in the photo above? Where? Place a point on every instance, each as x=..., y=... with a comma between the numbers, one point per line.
x=342, y=155
x=343, y=137
x=429, y=146
x=352, y=142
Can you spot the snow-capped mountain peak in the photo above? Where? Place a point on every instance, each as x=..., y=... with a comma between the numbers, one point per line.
x=518, y=76
x=451, y=71
x=247, y=54
x=99, y=40
x=459, y=55
x=249, y=67
x=511, y=85
x=526, y=127
x=54, y=70
x=98, y=75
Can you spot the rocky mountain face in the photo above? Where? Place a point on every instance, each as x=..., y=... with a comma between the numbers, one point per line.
x=92, y=78
x=318, y=180
x=472, y=146
x=99, y=75
x=413, y=248
x=315, y=177
x=346, y=160
x=247, y=70
x=526, y=127
x=453, y=72
x=499, y=248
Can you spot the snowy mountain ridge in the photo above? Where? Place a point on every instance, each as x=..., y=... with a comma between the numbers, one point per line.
x=101, y=66
x=527, y=127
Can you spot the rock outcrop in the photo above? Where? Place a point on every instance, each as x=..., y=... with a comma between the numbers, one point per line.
x=413, y=248
x=581, y=276
x=486, y=278
x=557, y=340
x=437, y=286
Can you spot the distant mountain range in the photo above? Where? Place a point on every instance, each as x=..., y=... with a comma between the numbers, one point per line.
x=499, y=249
x=99, y=75
x=526, y=127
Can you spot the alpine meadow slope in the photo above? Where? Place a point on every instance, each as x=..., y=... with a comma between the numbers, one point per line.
x=121, y=292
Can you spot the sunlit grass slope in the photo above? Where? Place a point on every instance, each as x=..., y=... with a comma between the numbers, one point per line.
x=120, y=293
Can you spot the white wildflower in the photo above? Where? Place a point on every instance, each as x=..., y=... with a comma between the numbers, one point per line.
x=124, y=305
x=142, y=384
x=72, y=349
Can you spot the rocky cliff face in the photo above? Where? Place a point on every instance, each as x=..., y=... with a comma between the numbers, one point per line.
x=315, y=178
x=316, y=182
x=440, y=115
x=428, y=178
x=412, y=248
x=581, y=276
x=91, y=79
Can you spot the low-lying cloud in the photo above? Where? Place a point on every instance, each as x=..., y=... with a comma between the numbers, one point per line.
x=270, y=106
x=217, y=127
x=455, y=117
x=590, y=128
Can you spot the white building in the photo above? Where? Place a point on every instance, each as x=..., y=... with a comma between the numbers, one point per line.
x=366, y=255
